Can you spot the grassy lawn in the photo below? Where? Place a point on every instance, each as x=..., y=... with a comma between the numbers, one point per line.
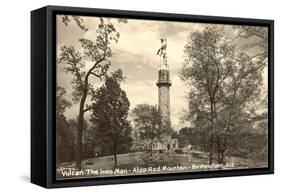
x=129, y=161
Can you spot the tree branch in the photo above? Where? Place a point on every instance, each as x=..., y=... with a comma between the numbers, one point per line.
x=87, y=109
x=256, y=34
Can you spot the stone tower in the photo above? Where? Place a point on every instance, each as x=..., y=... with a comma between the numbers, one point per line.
x=164, y=84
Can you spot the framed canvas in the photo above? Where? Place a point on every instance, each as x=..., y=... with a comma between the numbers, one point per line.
x=126, y=96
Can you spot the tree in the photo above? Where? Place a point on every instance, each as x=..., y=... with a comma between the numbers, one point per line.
x=98, y=53
x=66, y=19
x=146, y=120
x=261, y=36
x=61, y=102
x=76, y=19
x=64, y=140
x=225, y=86
x=110, y=114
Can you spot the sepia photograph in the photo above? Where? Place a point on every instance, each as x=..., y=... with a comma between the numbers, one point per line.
x=143, y=97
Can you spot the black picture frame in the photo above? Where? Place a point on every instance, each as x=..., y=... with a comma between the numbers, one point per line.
x=43, y=83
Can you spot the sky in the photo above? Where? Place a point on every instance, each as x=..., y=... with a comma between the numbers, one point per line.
x=135, y=54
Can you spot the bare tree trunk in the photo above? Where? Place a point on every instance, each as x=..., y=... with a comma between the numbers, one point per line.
x=86, y=150
x=211, y=131
x=115, y=155
x=80, y=130
x=211, y=150
x=221, y=148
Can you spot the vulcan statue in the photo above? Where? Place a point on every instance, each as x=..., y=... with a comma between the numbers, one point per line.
x=162, y=52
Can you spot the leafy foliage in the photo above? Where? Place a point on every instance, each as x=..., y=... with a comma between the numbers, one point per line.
x=61, y=102
x=225, y=87
x=260, y=34
x=110, y=112
x=97, y=53
x=76, y=19
x=64, y=137
x=146, y=125
x=147, y=121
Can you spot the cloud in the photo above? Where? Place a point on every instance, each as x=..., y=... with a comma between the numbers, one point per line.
x=135, y=66
x=141, y=92
x=178, y=92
